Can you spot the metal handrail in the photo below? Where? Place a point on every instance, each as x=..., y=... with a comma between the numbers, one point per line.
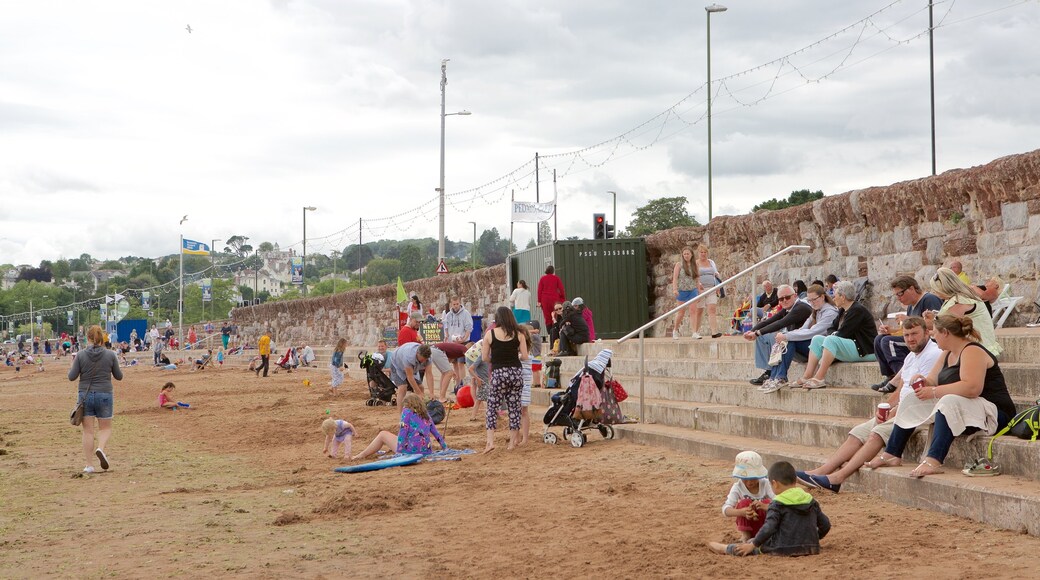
x=641, y=331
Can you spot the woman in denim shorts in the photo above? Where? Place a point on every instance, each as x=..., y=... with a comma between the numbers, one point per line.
x=95, y=367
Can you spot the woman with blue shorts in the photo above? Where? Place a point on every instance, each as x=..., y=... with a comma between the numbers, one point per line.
x=95, y=367
x=684, y=285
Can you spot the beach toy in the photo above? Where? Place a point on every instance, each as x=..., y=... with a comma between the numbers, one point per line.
x=185, y=405
x=306, y=382
x=381, y=464
x=464, y=397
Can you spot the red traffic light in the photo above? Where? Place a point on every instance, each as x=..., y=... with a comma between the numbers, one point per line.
x=599, y=219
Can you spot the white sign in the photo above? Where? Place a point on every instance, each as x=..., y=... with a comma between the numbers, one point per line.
x=533, y=212
x=442, y=268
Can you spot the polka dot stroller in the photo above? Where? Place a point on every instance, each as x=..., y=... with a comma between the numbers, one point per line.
x=576, y=408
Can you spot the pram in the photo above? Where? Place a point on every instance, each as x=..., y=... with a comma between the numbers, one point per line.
x=560, y=414
x=380, y=387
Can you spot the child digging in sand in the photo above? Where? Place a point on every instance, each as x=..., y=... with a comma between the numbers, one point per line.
x=337, y=433
x=749, y=496
x=166, y=398
x=794, y=521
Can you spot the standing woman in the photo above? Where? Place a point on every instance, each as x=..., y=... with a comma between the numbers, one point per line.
x=503, y=346
x=415, y=305
x=706, y=272
x=335, y=366
x=550, y=293
x=521, y=301
x=685, y=286
x=95, y=368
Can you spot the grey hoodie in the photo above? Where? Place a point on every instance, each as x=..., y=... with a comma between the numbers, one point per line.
x=95, y=367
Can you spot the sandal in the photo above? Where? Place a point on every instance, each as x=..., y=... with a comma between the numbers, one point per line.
x=798, y=383
x=814, y=384
x=927, y=468
x=882, y=461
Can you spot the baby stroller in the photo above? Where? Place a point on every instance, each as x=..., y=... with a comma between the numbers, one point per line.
x=381, y=389
x=561, y=413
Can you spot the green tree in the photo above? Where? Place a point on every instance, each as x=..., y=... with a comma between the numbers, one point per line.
x=492, y=249
x=352, y=254
x=660, y=214
x=796, y=198
x=412, y=263
x=237, y=245
x=265, y=247
x=379, y=272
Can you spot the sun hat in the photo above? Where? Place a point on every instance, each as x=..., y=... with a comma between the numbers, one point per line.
x=577, y=301
x=749, y=466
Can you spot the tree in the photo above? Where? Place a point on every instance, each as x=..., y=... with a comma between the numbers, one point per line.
x=265, y=247
x=545, y=234
x=796, y=198
x=37, y=274
x=530, y=244
x=412, y=263
x=492, y=249
x=351, y=253
x=379, y=272
x=660, y=214
x=237, y=245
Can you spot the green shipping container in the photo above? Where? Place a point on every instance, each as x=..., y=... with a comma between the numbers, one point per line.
x=610, y=275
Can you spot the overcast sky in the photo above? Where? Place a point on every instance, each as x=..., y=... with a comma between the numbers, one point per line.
x=115, y=121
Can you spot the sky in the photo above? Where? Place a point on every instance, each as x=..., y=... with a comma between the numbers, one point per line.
x=116, y=121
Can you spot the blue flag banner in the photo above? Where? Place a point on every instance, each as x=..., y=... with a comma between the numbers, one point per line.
x=193, y=247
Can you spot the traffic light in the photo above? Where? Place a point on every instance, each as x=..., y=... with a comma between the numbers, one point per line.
x=608, y=232
x=599, y=226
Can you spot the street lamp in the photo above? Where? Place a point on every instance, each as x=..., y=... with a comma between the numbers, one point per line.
x=256, y=274
x=614, y=221
x=213, y=267
x=709, y=10
x=473, y=249
x=335, y=256
x=440, y=190
x=303, y=272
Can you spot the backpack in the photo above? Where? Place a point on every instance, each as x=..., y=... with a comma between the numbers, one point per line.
x=1025, y=425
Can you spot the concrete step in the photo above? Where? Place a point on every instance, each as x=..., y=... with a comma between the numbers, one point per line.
x=1020, y=345
x=1006, y=501
x=825, y=432
x=1023, y=379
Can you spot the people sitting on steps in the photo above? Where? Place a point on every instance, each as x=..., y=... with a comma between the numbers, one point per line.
x=960, y=300
x=573, y=332
x=792, y=315
x=767, y=300
x=798, y=341
x=889, y=347
x=851, y=338
x=867, y=439
x=586, y=315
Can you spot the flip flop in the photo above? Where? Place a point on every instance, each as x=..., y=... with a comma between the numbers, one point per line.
x=925, y=468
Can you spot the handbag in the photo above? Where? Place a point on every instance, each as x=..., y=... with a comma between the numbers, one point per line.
x=777, y=352
x=619, y=392
x=76, y=417
x=721, y=290
x=612, y=414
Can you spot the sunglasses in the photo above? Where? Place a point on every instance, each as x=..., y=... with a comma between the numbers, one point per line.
x=785, y=296
x=900, y=293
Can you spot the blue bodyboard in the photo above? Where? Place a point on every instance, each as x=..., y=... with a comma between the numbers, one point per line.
x=381, y=464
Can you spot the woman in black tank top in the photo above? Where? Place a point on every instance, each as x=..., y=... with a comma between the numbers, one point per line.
x=503, y=346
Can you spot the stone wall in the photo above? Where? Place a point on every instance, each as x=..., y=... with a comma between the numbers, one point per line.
x=360, y=315
x=986, y=216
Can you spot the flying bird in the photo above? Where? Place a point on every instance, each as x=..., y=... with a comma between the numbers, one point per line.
x=183, y=219
x=188, y=28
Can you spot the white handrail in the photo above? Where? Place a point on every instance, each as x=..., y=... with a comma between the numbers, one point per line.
x=641, y=331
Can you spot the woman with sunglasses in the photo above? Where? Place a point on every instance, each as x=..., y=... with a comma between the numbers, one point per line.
x=851, y=338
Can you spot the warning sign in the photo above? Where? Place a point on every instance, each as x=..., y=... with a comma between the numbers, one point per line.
x=442, y=268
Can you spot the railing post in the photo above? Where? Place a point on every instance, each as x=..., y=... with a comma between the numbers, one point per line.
x=642, y=376
x=754, y=310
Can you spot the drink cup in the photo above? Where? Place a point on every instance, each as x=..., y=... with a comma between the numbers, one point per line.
x=918, y=384
x=883, y=409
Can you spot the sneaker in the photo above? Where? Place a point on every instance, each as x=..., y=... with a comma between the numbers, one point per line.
x=88, y=469
x=884, y=382
x=773, y=385
x=888, y=388
x=675, y=334
x=696, y=336
x=981, y=467
x=716, y=335
x=760, y=379
x=104, y=460
x=806, y=480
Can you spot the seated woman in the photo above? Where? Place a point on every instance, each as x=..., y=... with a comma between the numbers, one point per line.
x=798, y=341
x=574, y=331
x=964, y=392
x=961, y=300
x=414, y=435
x=851, y=338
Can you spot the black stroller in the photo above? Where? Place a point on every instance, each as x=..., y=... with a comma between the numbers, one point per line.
x=560, y=414
x=380, y=388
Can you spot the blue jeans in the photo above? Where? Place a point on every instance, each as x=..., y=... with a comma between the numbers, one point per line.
x=764, y=344
x=942, y=437
x=890, y=351
x=793, y=346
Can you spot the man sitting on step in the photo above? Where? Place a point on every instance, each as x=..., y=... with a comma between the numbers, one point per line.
x=792, y=315
x=867, y=439
x=889, y=347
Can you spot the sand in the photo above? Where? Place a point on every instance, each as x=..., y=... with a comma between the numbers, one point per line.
x=237, y=486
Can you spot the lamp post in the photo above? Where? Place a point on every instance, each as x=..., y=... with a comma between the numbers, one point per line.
x=303, y=272
x=335, y=256
x=473, y=248
x=614, y=221
x=256, y=274
x=709, y=10
x=440, y=190
x=213, y=267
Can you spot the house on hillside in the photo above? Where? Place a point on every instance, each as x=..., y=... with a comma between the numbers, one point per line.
x=101, y=277
x=9, y=279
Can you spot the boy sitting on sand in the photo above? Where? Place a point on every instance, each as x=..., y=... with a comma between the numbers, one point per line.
x=794, y=521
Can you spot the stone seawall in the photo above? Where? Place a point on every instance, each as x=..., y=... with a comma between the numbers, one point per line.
x=986, y=216
x=360, y=315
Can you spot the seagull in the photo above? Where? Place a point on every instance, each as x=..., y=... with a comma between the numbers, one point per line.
x=183, y=219
x=188, y=28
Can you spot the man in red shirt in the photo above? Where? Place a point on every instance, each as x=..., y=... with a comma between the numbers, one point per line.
x=550, y=292
x=410, y=331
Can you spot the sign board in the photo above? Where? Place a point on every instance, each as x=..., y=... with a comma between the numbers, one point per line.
x=296, y=269
x=431, y=332
x=121, y=309
x=442, y=268
x=207, y=289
